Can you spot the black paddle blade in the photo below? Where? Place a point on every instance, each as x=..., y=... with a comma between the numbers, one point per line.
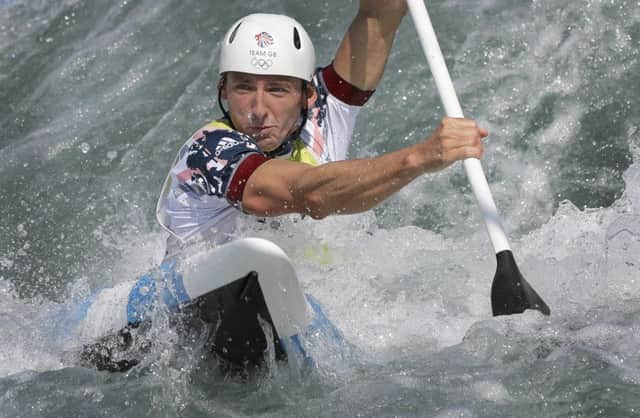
x=510, y=292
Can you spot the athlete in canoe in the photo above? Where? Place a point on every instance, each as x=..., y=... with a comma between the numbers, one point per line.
x=279, y=148
x=281, y=144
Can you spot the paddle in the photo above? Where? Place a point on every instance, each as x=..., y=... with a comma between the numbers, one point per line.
x=510, y=292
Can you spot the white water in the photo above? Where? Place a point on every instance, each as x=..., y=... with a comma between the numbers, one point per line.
x=100, y=98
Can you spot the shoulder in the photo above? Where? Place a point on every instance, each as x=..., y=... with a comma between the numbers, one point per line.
x=221, y=161
x=221, y=143
x=217, y=153
x=331, y=82
x=207, y=161
x=332, y=118
x=218, y=125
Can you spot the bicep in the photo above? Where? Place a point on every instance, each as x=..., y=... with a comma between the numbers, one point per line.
x=272, y=189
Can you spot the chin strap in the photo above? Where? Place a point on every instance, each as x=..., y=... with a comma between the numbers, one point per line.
x=221, y=105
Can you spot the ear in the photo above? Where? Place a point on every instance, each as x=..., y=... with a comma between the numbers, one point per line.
x=221, y=88
x=312, y=95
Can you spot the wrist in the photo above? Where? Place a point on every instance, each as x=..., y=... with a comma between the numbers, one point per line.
x=426, y=157
x=414, y=162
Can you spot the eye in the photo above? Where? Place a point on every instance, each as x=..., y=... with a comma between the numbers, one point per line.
x=242, y=86
x=279, y=90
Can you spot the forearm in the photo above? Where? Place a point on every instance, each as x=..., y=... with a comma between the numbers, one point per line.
x=279, y=186
x=357, y=185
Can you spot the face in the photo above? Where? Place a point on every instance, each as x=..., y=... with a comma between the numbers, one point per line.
x=267, y=108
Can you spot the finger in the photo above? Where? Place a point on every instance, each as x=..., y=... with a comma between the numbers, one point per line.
x=462, y=139
x=466, y=152
x=462, y=124
x=469, y=149
x=477, y=151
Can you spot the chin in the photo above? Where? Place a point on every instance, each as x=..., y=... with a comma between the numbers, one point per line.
x=267, y=144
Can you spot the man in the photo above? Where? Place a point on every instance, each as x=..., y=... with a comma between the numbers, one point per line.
x=287, y=127
x=278, y=149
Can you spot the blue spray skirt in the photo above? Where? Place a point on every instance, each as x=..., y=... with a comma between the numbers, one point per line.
x=246, y=291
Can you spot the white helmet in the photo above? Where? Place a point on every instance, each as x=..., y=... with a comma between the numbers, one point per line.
x=268, y=44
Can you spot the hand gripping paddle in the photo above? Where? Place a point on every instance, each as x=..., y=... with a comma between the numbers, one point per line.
x=510, y=292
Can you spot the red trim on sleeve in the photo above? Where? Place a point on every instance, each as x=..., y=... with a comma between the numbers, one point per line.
x=342, y=89
x=239, y=180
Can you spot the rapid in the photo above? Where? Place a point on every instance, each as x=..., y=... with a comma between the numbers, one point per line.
x=96, y=98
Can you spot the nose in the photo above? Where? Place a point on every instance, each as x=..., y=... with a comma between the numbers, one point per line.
x=258, y=107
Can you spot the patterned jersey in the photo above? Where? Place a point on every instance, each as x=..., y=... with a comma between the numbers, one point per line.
x=200, y=199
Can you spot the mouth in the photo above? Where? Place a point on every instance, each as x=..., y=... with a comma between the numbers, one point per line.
x=260, y=131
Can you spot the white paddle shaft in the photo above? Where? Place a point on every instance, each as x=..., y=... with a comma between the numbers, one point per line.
x=452, y=107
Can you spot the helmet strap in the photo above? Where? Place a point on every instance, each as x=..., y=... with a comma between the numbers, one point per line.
x=220, y=104
x=304, y=112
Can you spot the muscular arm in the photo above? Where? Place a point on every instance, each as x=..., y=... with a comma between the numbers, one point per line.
x=362, y=55
x=279, y=186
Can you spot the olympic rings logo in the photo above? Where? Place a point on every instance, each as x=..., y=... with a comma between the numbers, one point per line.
x=261, y=63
